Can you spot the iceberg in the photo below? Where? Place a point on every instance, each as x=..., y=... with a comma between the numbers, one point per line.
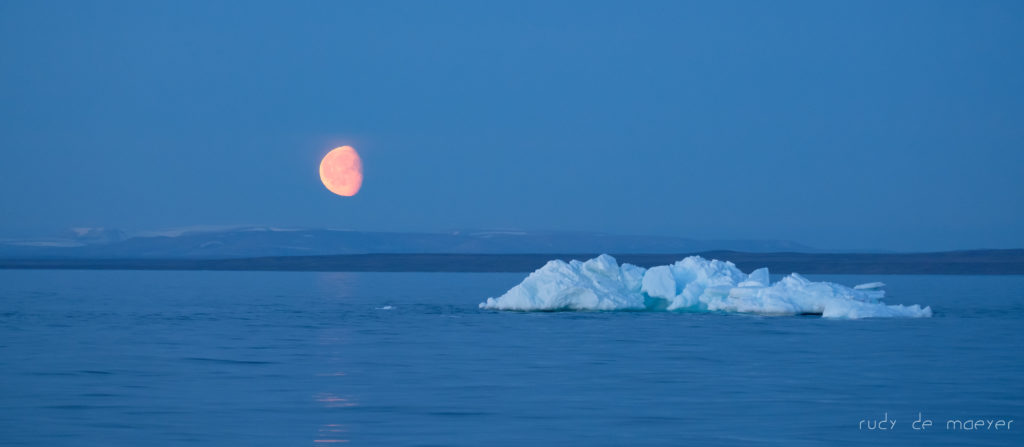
x=693, y=284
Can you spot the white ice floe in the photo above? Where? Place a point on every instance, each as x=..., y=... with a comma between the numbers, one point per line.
x=693, y=284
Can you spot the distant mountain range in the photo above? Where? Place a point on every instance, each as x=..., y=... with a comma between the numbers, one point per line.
x=247, y=242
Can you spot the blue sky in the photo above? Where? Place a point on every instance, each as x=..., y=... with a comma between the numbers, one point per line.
x=858, y=125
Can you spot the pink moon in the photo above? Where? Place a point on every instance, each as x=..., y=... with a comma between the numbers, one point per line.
x=341, y=171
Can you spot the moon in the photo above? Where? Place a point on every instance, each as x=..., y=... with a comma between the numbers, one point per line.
x=342, y=171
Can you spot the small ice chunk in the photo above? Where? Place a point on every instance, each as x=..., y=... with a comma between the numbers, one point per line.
x=757, y=278
x=659, y=283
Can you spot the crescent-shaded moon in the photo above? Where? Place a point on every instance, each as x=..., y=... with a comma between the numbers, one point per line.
x=341, y=171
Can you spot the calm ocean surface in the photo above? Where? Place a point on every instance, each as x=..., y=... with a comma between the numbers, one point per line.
x=130, y=358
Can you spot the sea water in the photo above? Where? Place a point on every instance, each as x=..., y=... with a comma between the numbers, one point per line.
x=109, y=358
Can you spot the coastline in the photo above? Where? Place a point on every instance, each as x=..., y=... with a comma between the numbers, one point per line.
x=969, y=262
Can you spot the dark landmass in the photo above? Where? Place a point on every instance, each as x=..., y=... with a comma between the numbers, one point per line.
x=259, y=242
x=973, y=262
